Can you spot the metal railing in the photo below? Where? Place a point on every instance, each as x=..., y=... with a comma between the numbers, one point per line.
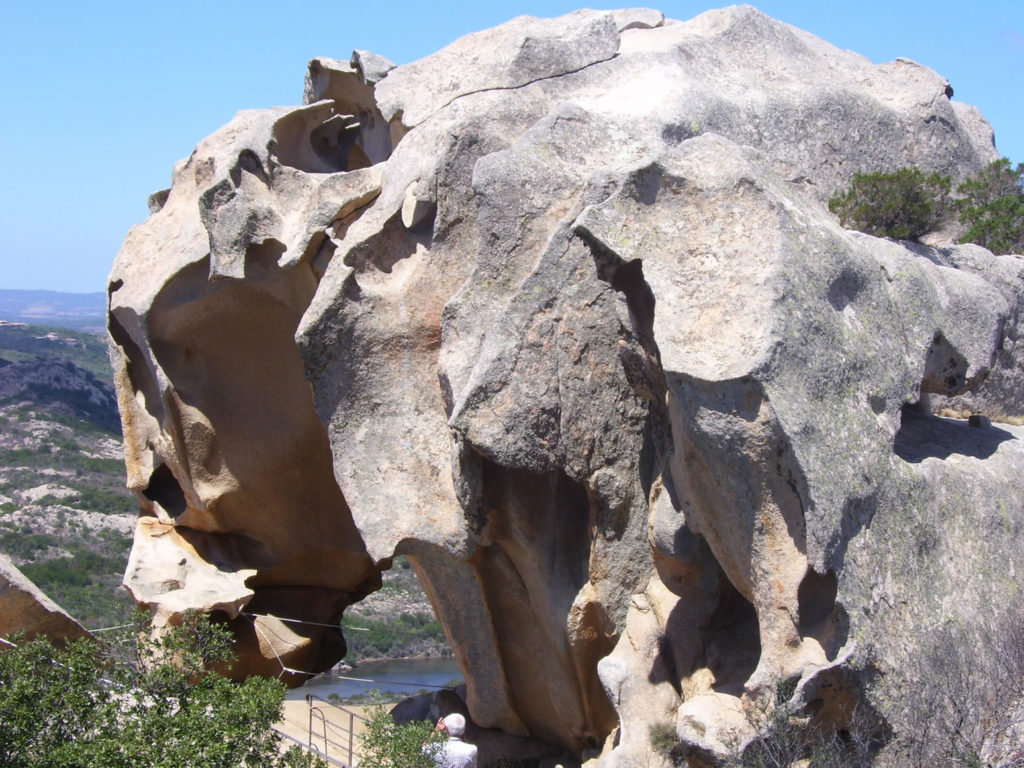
x=305, y=745
x=338, y=740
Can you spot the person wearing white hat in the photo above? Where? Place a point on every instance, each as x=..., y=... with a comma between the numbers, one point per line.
x=454, y=753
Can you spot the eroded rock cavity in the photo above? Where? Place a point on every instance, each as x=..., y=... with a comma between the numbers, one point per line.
x=560, y=313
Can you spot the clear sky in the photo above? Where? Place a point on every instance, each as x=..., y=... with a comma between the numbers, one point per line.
x=101, y=98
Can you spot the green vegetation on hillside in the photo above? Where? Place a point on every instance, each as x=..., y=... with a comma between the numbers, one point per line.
x=66, y=518
x=87, y=584
x=76, y=564
x=395, y=622
x=416, y=634
x=62, y=452
x=86, y=350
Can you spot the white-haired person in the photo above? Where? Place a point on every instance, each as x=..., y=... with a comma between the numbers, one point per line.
x=454, y=753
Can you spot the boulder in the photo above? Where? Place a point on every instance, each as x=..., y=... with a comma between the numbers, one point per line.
x=560, y=313
x=26, y=610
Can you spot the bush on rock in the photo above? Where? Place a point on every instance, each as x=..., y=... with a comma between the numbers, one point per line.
x=991, y=206
x=904, y=204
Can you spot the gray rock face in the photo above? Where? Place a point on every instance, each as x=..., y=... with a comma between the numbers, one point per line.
x=560, y=313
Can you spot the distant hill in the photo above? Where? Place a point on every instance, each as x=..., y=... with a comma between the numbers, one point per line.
x=79, y=311
x=21, y=342
x=66, y=519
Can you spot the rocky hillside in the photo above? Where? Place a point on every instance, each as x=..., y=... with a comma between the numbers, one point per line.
x=66, y=519
x=396, y=621
x=560, y=314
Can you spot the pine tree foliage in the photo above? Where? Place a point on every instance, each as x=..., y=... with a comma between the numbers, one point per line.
x=991, y=206
x=904, y=204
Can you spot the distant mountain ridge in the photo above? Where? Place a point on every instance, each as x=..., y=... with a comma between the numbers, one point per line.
x=79, y=311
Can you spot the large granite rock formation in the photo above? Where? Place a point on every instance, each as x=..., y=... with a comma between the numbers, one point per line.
x=560, y=313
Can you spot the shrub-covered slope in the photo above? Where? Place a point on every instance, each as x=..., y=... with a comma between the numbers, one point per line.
x=65, y=516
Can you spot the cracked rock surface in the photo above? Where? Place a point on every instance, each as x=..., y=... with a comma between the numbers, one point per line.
x=560, y=313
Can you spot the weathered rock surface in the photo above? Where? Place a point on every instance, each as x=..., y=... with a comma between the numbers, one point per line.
x=26, y=610
x=560, y=313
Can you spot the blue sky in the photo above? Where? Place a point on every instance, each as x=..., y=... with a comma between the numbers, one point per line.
x=101, y=98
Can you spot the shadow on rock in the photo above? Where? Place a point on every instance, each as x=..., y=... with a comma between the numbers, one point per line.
x=923, y=436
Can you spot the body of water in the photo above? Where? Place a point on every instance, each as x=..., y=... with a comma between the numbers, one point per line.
x=406, y=676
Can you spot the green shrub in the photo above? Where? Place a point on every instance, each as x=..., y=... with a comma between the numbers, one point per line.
x=101, y=500
x=991, y=206
x=136, y=702
x=25, y=547
x=386, y=744
x=664, y=741
x=904, y=204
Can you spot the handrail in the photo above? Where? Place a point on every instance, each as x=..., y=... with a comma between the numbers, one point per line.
x=323, y=721
x=346, y=710
x=299, y=742
x=317, y=711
